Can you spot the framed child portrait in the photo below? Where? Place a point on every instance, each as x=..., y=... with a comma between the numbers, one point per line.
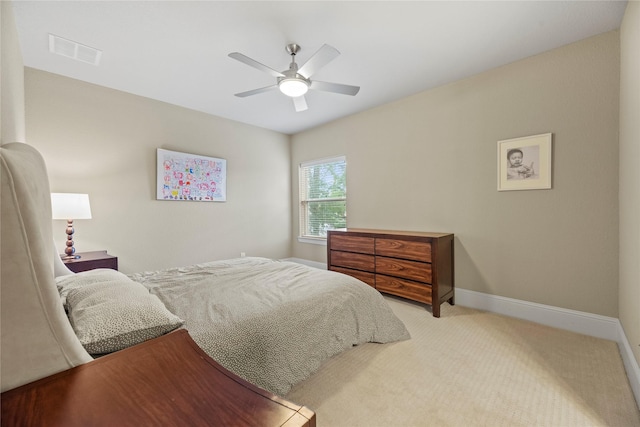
x=525, y=163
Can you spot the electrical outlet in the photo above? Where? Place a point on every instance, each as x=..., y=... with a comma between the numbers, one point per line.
x=242, y=254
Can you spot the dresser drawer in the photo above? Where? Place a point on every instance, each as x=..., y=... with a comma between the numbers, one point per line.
x=352, y=260
x=366, y=277
x=346, y=243
x=407, y=249
x=404, y=288
x=412, y=270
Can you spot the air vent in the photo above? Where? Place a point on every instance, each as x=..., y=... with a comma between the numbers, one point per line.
x=74, y=50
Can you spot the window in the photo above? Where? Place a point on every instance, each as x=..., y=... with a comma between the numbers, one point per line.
x=323, y=197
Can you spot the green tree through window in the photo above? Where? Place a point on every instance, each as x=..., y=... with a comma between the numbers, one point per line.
x=323, y=197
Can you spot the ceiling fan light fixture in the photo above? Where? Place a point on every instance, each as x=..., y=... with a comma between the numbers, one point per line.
x=293, y=87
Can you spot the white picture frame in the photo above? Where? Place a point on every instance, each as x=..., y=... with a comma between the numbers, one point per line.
x=525, y=163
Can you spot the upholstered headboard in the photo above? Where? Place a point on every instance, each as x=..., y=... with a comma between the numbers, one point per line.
x=36, y=337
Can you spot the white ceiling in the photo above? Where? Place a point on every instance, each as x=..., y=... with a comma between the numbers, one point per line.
x=176, y=51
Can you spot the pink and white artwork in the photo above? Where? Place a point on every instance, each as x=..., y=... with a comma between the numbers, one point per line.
x=183, y=176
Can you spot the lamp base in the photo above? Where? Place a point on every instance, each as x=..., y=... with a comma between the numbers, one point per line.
x=70, y=250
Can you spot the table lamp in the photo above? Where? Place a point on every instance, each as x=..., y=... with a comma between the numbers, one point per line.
x=70, y=206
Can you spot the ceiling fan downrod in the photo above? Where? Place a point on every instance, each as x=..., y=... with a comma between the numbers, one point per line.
x=293, y=84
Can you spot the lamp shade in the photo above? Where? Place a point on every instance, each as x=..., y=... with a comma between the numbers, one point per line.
x=70, y=206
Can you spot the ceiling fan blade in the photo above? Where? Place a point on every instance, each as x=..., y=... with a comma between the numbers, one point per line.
x=255, y=64
x=256, y=91
x=322, y=57
x=300, y=103
x=335, y=88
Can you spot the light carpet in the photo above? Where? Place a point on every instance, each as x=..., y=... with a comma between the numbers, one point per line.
x=472, y=368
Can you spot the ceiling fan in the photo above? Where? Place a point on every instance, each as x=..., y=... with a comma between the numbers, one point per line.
x=295, y=82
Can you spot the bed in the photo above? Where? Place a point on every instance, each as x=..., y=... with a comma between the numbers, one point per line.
x=271, y=322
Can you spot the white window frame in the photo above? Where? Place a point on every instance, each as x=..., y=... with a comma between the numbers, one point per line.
x=302, y=190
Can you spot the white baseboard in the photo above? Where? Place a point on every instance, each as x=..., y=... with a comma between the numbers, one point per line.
x=576, y=321
x=630, y=363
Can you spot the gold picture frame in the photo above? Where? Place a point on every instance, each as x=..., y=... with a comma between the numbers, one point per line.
x=525, y=163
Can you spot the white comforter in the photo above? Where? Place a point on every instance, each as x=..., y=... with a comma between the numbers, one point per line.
x=273, y=322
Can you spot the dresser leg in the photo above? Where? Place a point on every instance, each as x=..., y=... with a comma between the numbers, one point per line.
x=435, y=310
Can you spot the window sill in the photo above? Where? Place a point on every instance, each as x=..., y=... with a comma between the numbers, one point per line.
x=312, y=240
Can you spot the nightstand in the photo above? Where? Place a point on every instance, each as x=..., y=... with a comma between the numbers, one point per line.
x=166, y=381
x=91, y=260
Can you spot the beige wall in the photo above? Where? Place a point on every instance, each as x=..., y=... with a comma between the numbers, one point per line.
x=557, y=247
x=11, y=80
x=630, y=176
x=103, y=142
x=428, y=163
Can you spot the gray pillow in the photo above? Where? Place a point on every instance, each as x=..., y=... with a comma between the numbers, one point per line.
x=76, y=280
x=115, y=313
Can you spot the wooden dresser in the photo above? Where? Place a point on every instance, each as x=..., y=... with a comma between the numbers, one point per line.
x=413, y=265
x=167, y=381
